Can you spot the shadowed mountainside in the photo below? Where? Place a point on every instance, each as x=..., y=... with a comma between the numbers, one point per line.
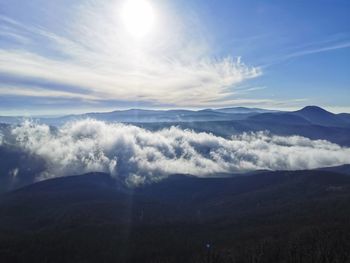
x=92, y=218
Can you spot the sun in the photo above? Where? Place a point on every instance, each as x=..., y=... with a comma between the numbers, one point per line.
x=138, y=17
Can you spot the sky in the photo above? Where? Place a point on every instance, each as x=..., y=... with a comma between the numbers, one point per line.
x=61, y=57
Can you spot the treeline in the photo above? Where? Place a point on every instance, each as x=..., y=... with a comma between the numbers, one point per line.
x=311, y=245
x=308, y=245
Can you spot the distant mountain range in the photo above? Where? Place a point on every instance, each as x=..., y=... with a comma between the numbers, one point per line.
x=140, y=115
x=309, y=115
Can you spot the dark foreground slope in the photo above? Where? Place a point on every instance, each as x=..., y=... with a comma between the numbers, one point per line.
x=268, y=217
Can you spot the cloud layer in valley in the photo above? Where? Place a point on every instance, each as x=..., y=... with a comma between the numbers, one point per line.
x=137, y=155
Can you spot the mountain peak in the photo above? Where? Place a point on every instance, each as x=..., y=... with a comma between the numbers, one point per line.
x=313, y=108
x=319, y=116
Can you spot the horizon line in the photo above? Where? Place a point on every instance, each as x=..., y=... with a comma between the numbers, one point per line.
x=345, y=110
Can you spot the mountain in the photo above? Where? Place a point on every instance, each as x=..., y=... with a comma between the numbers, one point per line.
x=92, y=218
x=319, y=116
x=345, y=117
x=18, y=168
x=243, y=110
x=310, y=115
x=343, y=169
x=281, y=118
x=339, y=135
x=140, y=115
x=11, y=120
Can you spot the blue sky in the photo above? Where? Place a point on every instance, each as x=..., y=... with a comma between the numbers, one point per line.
x=58, y=57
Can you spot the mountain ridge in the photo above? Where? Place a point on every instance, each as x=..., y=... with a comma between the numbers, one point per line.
x=84, y=217
x=308, y=115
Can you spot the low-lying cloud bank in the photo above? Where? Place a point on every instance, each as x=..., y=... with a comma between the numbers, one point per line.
x=138, y=155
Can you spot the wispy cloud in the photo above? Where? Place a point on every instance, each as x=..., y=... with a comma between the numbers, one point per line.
x=331, y=47
x=40, y=92
x=332, y=43
x=172, y=67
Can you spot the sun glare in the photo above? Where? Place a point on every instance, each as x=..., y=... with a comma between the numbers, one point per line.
x=138, y=17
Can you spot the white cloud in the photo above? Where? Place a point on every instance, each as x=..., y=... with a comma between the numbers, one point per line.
x=39, y=92
x=173, y=67
x=138, y=155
